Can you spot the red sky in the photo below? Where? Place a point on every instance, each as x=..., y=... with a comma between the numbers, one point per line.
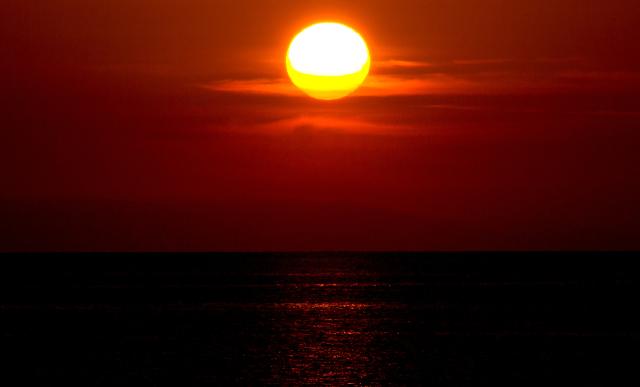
x=171, y=125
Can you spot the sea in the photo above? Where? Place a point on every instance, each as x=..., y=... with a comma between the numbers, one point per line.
x=364, y=319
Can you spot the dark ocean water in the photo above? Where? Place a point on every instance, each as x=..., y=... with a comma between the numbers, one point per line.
x=321, y=318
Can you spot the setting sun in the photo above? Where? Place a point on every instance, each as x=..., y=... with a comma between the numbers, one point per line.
x=328, y=61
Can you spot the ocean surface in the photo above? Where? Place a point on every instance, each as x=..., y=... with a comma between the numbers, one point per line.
x=320, y=319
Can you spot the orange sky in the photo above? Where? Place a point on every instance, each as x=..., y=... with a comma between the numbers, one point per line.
x=171, y=125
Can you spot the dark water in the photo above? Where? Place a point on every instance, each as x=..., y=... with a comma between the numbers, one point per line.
x=336, y=319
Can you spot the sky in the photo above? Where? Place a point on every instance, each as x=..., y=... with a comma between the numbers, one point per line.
x=172, y=126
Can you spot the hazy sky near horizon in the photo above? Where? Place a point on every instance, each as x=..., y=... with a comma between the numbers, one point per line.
x=171, y=125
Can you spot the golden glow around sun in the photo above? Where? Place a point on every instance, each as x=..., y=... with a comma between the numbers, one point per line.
x=328, y=61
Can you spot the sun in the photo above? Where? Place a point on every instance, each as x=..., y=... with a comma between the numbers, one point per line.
x=328, y=61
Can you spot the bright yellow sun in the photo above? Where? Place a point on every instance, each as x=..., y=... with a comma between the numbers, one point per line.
x=328, y=61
